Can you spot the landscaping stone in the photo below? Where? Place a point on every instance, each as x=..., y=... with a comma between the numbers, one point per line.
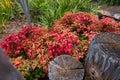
x=103, y=59
x=111, y=11
x=65, y=67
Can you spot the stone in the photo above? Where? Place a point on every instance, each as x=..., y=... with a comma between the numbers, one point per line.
x=7, y=70
x=110, y=11
x=65, y=67
x=103, y=58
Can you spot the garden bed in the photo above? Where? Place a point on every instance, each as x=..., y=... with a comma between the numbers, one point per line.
x=31, y=48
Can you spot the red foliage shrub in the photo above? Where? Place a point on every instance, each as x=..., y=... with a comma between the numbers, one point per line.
x=32, y=42
x=79, y=22
x=86, y=24
x=15, y=44
x=10, y=44
x=107, y=24
x=61, y=43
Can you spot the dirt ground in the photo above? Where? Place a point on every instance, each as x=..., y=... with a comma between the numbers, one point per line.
x=12, y=27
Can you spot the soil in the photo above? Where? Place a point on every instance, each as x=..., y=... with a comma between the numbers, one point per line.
x=12, y=27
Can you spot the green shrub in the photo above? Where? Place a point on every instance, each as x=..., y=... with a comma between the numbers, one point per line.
x=8, y=10
x=35, y=74
x=5, y=11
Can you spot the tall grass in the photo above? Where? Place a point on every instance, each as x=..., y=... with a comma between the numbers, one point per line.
x=46, y=11
x=8, y=10
x=5, y=11
x=43, y=12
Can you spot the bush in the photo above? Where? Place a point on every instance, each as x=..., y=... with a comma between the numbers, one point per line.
x=33, y=46
x=58, y=44
x=86, y=24
x=24, y=49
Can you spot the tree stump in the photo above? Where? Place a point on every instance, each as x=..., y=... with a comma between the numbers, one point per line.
x=103, y=59
x=65, y=67
x=7, y=70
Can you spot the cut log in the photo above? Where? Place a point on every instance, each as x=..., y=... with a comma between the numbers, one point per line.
x=65, y=67
x=103, y=59
x=7, y=70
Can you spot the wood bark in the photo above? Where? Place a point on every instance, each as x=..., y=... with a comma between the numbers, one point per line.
x=65, y=67
x=7, y=70
x=103, y=59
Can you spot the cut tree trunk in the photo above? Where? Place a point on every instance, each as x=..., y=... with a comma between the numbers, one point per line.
x=65, y=67
x=7, y=70
x=103, y=59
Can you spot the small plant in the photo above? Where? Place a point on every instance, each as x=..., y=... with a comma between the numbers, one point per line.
x=8, y=10
x=35, y=74
x=5, y=11
x=1, y=30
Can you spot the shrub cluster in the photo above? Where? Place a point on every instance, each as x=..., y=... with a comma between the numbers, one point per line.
x=34, y=47
x=86, y=24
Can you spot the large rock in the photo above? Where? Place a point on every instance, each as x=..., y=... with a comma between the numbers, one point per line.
x=111, y=11
x=109, y=14
x=65, y=67
x=7, y=70
x=103, y=59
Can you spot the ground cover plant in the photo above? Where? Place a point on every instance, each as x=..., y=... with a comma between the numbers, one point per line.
x=32, y=48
